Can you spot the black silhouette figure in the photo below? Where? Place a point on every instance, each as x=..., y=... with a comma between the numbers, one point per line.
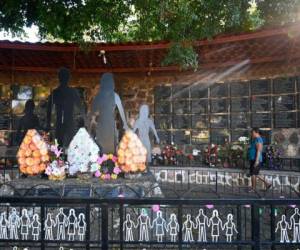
x=64, y=98
x=104, y=106
x=28, y=121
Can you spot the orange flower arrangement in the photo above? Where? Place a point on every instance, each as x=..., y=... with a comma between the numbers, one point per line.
x=33, y=154
x=132, y=154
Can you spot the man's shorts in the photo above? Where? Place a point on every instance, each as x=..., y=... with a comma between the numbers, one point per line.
x=254, y=170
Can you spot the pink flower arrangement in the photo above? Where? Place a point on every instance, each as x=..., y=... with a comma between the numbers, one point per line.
x=107, y=174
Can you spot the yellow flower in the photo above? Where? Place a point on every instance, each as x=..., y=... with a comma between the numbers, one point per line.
x=110, y=156
x=114, y=176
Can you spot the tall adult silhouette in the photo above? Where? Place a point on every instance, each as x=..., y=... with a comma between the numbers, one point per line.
x=64, y=99
x=104, y=105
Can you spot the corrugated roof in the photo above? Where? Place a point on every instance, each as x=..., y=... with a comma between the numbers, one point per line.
x=260, y=47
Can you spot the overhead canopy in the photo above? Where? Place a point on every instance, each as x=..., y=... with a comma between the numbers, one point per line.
x=272, y=49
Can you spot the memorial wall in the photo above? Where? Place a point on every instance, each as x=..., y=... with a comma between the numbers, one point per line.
x=187, y=115
x=196, y=115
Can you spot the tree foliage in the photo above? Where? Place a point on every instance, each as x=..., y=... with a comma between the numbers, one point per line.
x=180, y=21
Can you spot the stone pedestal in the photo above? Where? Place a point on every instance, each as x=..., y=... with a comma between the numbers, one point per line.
x=137, y=186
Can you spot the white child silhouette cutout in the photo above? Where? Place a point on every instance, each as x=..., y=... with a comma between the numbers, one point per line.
x=187, y=227
x=128, y=226
x=3, y=226
x=61, y=221
x=229, y=228
x=201, y=224
x=72, y=224
x=216, y=224
x=160, y=226
x=49, y=224
x=295, y=225
x=283, y=225
x=13, y=224
x=36, y=227
x=173, y=227
x=81, y=225
x=144, y=222
x=143, y=125
x=25, y=224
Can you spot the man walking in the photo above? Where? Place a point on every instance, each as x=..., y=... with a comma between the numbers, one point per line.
x=255, y=157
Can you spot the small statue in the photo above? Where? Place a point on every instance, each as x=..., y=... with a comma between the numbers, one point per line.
x=143, y=125
x=104, y=105
x=65, y=99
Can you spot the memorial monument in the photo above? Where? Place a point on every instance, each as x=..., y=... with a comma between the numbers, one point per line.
x=103, y=107
x=64, y=99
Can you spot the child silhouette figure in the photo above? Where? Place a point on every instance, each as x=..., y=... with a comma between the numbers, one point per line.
x=143, y=125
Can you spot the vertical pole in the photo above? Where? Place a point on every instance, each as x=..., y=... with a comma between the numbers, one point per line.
x=255, y=227
x=239, y=225
x=216, y=182
x=88, y=226
x=121, y=214
x=272, y=226
x=104, y=227
x=42, y=226
x=180, y=227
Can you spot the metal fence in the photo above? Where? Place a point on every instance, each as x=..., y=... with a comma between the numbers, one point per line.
x=51, y=223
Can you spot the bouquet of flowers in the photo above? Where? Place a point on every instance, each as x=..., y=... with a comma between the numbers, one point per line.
x=211, y=155
x=273, y=159
x=56, y=169
x=83, y=153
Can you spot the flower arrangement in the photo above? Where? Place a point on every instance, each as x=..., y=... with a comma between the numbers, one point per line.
x=33, y=155
x=132, y=155
x=273, y=159
x=107, y=167
x=83, y=153
x=56, y=169
x=211, y=155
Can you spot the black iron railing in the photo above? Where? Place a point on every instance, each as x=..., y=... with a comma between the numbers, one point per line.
x=69, y=223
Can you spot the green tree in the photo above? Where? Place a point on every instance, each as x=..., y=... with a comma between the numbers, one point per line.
x=179, y=21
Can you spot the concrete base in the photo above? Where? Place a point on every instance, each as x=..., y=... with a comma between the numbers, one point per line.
x=142, y=185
